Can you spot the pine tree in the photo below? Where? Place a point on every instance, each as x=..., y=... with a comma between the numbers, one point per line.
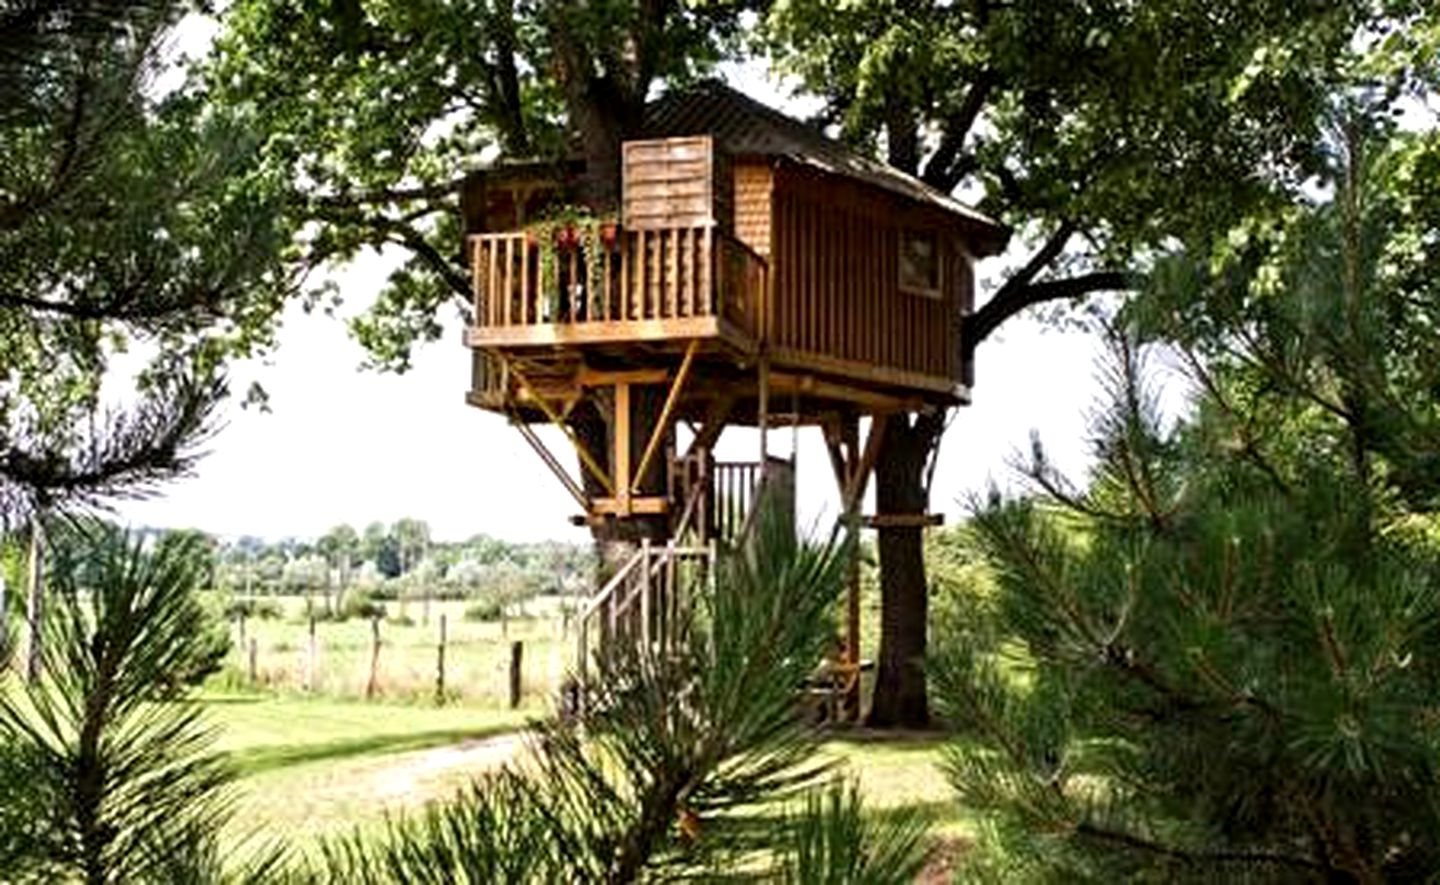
x=1220, y=658
x=683, y=743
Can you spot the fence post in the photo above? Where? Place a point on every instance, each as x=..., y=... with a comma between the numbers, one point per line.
x=373, y=684
x=440, y=666
x=517, y=652
x=4, y=627
x=34, y=603
x=254, y=660
x=310, y=657
x=240, y=627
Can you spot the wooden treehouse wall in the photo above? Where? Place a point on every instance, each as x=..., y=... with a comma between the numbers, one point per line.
x=836, y=295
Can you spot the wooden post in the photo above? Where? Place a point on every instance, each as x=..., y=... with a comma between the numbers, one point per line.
x=762, y=415
x=621, y=457
x=310, y=652
x=850, y=436
x=645, y=589
x=34, y=602
x=440, y=666
x=372, y=685
x=582, y=665
x=240, y=629
x=4, y=627
x=254, y=661
x=517, y=652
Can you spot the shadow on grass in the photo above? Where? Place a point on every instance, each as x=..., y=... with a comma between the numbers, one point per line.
x=902, y=740
x=230, y=699
x=264, y=759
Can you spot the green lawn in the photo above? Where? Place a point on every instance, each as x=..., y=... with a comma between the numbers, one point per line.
x=896, y=769
x=320, y=767
x=316, y=767
x=477, y=654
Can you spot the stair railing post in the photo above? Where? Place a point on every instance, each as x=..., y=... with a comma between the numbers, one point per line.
x=645, y=592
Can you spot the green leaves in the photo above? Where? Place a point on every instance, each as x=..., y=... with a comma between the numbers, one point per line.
x=682, y=742
x=830, y=840
x=113, y=763
x=130, y=221
x=1224, y=638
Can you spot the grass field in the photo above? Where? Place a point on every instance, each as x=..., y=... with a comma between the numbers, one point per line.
x=477, y=655
x=322, y=767
x=314, y=767
x=323, y=762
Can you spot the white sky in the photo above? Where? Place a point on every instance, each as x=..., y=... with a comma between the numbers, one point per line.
x=342, y=444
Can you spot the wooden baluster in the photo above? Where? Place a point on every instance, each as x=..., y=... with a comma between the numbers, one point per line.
x=645, y=590
x=670, y=242
x=503, y=248
x=571, y=293
x=652, y=276
x=527, y=303
x=706, y=270
x=476, y=293
x=490, y=282
x=608, y=260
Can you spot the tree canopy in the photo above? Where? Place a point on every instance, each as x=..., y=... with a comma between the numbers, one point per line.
x=132, y=219
x=1105, y=134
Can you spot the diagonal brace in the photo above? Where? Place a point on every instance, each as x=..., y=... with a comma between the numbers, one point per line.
x=658, y=433
x=585, y=457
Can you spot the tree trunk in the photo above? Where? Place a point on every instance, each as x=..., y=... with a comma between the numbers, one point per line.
x=900, y=697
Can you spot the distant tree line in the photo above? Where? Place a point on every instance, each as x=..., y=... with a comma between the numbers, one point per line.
x=399, y=560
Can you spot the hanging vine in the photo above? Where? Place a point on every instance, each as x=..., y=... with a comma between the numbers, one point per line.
x=565, y=228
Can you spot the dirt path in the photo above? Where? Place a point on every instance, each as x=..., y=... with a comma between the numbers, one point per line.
x=418, y=776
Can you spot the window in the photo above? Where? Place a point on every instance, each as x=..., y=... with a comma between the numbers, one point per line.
x=920, y=263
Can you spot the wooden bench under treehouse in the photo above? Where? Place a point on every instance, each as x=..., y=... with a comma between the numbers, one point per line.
x=755, y=273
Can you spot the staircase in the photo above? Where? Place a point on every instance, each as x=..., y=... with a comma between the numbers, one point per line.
x=641, y=600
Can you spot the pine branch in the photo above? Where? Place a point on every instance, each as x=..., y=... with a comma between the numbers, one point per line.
x=1195, y=857
x=130, y=454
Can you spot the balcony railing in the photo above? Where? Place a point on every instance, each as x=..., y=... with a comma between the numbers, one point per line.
x=643, y=276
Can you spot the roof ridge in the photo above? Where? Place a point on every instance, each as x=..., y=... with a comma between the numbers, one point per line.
x=744, y=124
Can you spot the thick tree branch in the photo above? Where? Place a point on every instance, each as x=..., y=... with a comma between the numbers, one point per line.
x=410, y=238
x=948, y=165
x=1010, y=301
x=352, y=200
x=507, y=81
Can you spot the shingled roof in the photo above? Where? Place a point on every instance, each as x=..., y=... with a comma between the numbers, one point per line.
x=743, y=126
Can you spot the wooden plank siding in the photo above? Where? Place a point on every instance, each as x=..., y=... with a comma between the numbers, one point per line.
x=752, y=205
x=835, y=293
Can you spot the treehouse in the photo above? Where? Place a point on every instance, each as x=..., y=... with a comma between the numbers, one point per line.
x=754, y=272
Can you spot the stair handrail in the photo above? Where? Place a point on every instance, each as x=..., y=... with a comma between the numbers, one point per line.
x=598, y=599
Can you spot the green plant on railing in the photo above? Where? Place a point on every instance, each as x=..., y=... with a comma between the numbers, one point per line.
x=565, y=228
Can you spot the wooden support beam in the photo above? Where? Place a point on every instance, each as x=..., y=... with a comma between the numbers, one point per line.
x=650, y=505
x=834, y=444
x=902, y=520
x=860, y=473
x=620, y=457
x=870, y=400
x=762, y=409
x=588, y=377
x=658, y=433
x=713, y=422
x=585, y=457
x=551, y=461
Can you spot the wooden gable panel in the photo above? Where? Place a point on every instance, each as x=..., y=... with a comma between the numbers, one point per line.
x=674, y=182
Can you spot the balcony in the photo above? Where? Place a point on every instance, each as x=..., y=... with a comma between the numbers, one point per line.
x=650, y=285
